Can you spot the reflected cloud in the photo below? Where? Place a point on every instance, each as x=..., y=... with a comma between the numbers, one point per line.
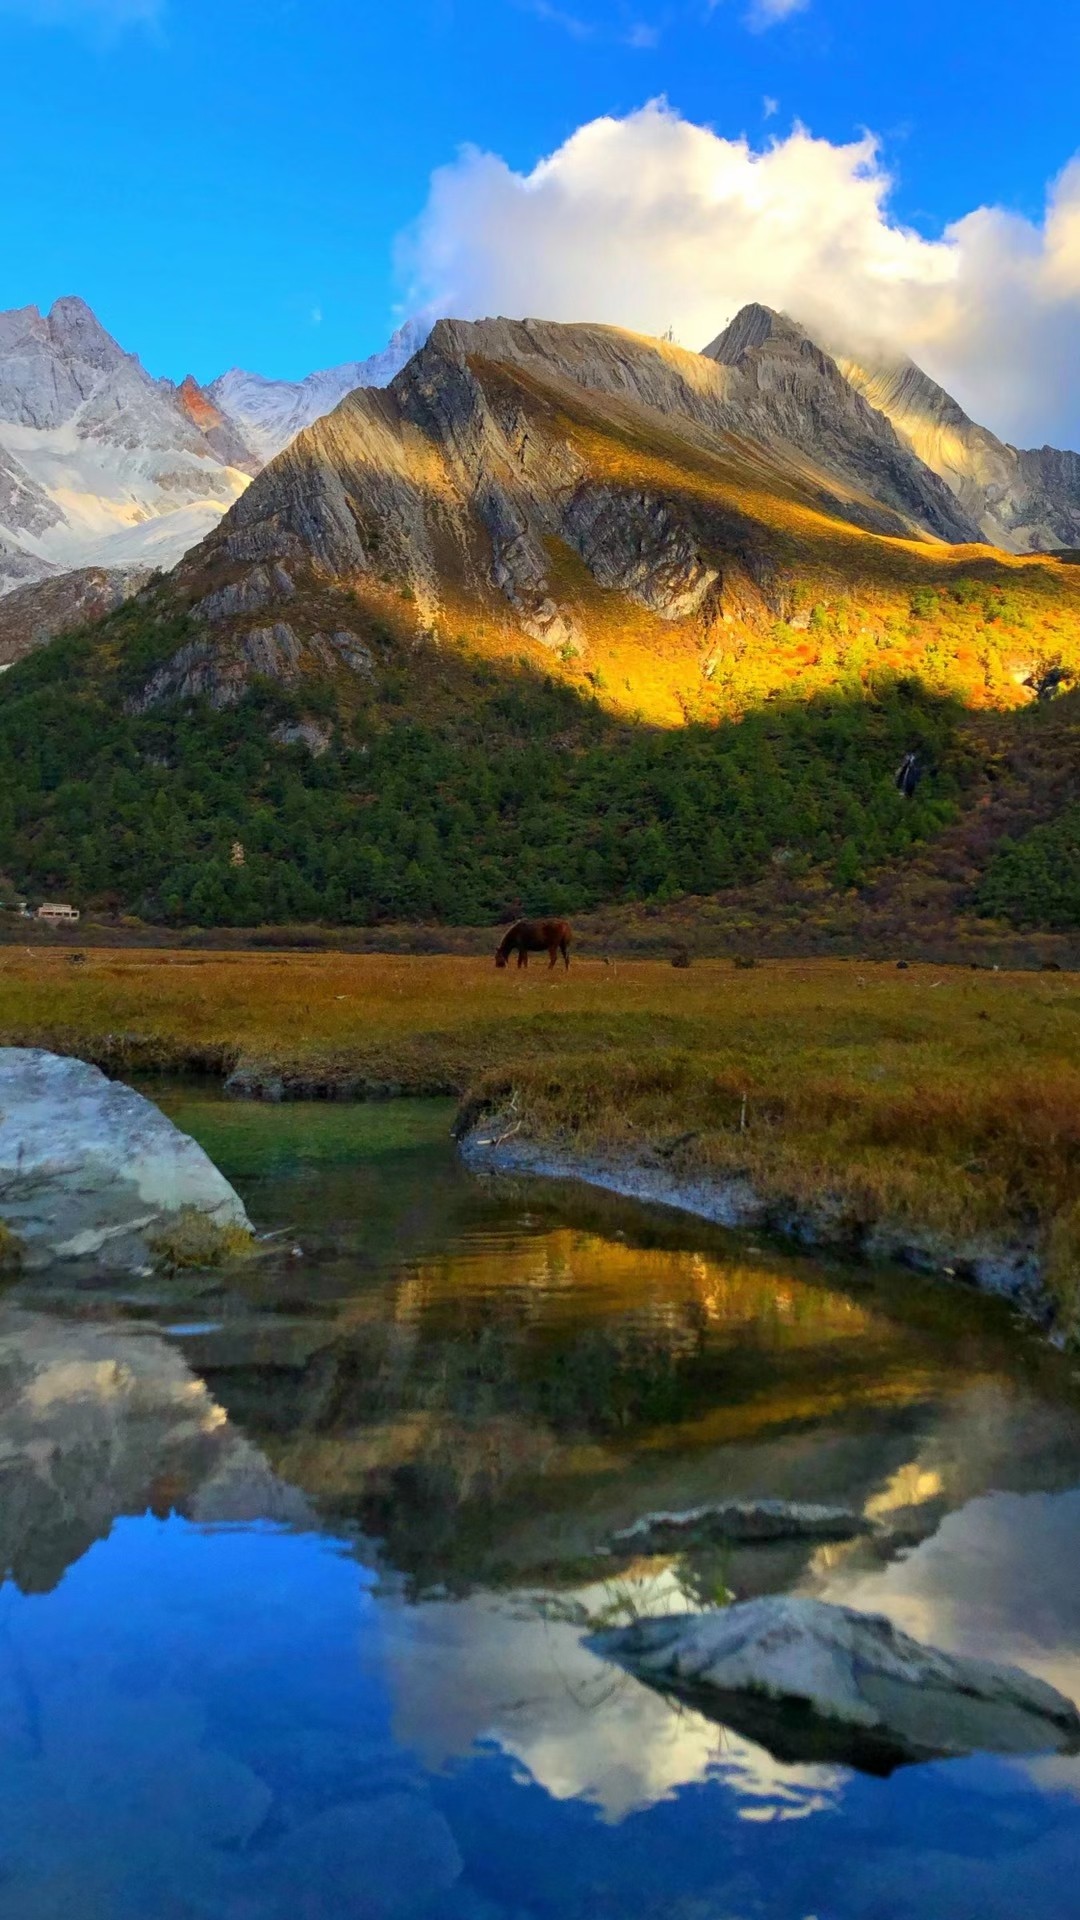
x=1000, y=1578
x=480, y=1671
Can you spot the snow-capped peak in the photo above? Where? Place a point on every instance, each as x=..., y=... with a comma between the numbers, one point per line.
x=267, y=414
x=102, y=464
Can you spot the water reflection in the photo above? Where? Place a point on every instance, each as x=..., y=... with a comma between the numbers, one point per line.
x=97, y=1421
x=295, y=1568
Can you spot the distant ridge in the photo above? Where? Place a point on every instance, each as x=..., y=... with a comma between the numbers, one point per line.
x=99, y=463
x=267, y=414
x=1022, y=500
x=798, y=391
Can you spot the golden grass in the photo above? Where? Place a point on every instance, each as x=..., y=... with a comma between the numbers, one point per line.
x=944, y=1098
x=189, y=1240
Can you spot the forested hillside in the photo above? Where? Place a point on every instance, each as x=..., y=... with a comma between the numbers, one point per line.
x=522, y=792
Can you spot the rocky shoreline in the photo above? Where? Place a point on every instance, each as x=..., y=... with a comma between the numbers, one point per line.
x=1012, y=1271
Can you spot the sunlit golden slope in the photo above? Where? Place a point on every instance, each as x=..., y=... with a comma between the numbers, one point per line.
x=682, y=536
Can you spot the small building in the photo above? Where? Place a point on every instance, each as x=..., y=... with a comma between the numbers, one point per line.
x=58, y=912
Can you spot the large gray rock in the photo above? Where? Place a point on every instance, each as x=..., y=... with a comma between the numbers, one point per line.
x=812, y=1681
x=90, y=1168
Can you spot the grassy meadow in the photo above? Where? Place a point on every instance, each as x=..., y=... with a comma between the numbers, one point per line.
x=941, y=1097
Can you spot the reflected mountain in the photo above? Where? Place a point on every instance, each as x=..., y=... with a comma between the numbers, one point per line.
x=97, y=1421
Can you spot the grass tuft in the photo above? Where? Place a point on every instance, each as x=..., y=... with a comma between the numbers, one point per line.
x=191, y=1239
x=10, y=1252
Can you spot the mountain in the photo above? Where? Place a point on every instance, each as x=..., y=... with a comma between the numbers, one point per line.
x=99, y=464
x=1022, y=500
x=488, y=484
x=216, y=430
x=103, y=467
x=790, y=389
x=563, y=617
x=267, y=414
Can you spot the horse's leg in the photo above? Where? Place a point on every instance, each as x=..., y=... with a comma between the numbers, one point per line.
x=553, y=954
x=523, y=956
x=565, y=946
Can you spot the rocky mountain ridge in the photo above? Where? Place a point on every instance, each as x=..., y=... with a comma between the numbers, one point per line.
x=525, y=479
x=103, y=466
x=104, y=469
x=790, y=386
x=1024, y=500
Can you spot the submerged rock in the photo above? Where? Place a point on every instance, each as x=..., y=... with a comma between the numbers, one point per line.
x=89, y=1168
x=741, y=1522
x=810, y=1681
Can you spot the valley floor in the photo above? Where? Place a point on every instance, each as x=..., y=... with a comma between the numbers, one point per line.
x=934, y=1107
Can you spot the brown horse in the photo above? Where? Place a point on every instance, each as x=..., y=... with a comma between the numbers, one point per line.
x=536, y=936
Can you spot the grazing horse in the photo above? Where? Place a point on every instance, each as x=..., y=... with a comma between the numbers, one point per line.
x=536, y=936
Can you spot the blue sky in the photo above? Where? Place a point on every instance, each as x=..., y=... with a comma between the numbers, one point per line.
x=224, y=180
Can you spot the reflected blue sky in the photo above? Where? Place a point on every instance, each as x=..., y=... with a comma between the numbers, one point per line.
x=234, y=1722
x=221, y=1699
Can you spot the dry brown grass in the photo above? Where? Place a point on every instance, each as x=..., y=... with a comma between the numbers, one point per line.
x=190, y=1240
x=937, y=1096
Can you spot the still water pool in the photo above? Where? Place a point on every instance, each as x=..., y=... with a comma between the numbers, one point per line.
x=296, y=1567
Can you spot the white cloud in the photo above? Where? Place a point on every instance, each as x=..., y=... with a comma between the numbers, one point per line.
x=102, y=16
x=769, y=13
x=769, y=106
x=650, y=220
x=641, y=35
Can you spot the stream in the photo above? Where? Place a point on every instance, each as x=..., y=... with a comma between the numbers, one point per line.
x=297, y=1563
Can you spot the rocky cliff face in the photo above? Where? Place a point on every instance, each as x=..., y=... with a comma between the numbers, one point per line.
x=32, y=614
x=1024, y=501
x=216, y=430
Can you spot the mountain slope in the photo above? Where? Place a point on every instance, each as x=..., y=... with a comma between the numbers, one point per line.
x=34, y=613
x=98, y=462
x=793, y=388
x=585, y=489
x=1022, y=500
